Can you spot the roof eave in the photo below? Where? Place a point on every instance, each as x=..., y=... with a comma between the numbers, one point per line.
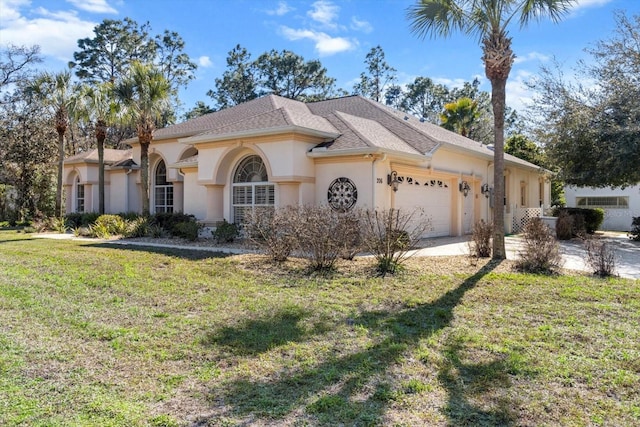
x=320, y=153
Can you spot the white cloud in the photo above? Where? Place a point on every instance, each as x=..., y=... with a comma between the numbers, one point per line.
x=518, y=95
x=324, y=12
x=581, y=4
x=282, y=9
x=324, y=44
x=94, y=6
x=56, y=33
x=10, y=10
x=359, y=25
x=205, y=61
x=531, y=56
x=450, y=83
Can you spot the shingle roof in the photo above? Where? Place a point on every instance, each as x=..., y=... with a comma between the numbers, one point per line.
x=270, y=111
x=358, y=123
x=111, y=157
x=422, y=137
x=361, y=107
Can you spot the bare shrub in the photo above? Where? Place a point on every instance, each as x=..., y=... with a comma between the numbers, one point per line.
x=564, y=226
x=389, y=235
x=351, y=234
x=540, y=252
x=601, y=257
x=480, y=244
x=272, y=230
x=324, y=234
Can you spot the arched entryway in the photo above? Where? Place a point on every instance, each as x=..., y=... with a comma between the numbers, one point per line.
x=251, y=187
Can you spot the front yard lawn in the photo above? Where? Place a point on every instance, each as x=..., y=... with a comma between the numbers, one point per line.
x=93, y=334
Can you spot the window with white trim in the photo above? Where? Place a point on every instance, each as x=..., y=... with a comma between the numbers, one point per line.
x=79, y=195
x=251, y=188
x=163, y=189
x=609, y=202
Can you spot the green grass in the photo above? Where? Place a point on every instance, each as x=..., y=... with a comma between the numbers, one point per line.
x=100, y=335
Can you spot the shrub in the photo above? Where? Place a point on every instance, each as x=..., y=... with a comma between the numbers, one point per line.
x=272, y=231
x=564, y=226
x=226, y=232
x=167, y=220
x=81, y=219
x=585, y=220
x=601, y=257
x=186, y=230
x=57, y=224
x=138, y=227
x=156, y=231
x=320, y=236
x=480, y=245
x=634, y=233
x=99, y=230
x=389, y=236
x=351, y=234
x=540, y=252
x=110, y=225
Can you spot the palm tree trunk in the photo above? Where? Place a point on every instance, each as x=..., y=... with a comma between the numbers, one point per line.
x=144, y=170
x=100, y=137
x=101, y=176
x=498, y=101
x=59, y=210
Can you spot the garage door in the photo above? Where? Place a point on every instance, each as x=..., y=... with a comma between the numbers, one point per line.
x=432, y=195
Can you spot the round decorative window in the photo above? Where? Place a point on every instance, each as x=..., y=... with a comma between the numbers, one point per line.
x=342, y=194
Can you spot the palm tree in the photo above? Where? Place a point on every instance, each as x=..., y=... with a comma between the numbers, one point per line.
x=489, y=20
x=460, y=116
x=144, y=96
x=98, y=108
x=58, y=93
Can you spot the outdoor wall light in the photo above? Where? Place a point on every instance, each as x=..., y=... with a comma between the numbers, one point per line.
x=392, y=180
x=464, y=188
x=485, y=190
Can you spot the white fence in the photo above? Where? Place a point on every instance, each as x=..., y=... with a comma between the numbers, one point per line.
x=521, y=216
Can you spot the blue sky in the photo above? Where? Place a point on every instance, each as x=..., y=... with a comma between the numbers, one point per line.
x=338, y=32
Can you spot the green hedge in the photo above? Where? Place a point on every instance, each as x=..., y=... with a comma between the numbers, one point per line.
x=592, y=218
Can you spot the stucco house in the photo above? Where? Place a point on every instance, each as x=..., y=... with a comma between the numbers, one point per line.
x=620, y=204
x=345, y=152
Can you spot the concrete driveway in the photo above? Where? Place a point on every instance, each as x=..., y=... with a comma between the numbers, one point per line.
x=627, y=252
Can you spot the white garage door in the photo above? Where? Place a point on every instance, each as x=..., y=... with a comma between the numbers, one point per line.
x=432, y=195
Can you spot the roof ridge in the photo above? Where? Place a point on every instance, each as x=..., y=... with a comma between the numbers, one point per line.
x=388, y=111
x=286, y=115
x=339, y=115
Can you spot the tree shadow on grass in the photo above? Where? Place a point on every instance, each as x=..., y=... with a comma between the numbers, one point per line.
x=346, y=389
x=482, y=382
x=255, y=336
x=189, y=254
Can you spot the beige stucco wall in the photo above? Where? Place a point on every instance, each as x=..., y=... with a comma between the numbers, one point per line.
x=301, y=177
x=358, y=170
x=195, y=196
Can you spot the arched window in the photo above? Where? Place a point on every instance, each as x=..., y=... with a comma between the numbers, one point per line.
x=251, y=187
x=163, y=189
x=79, y=193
